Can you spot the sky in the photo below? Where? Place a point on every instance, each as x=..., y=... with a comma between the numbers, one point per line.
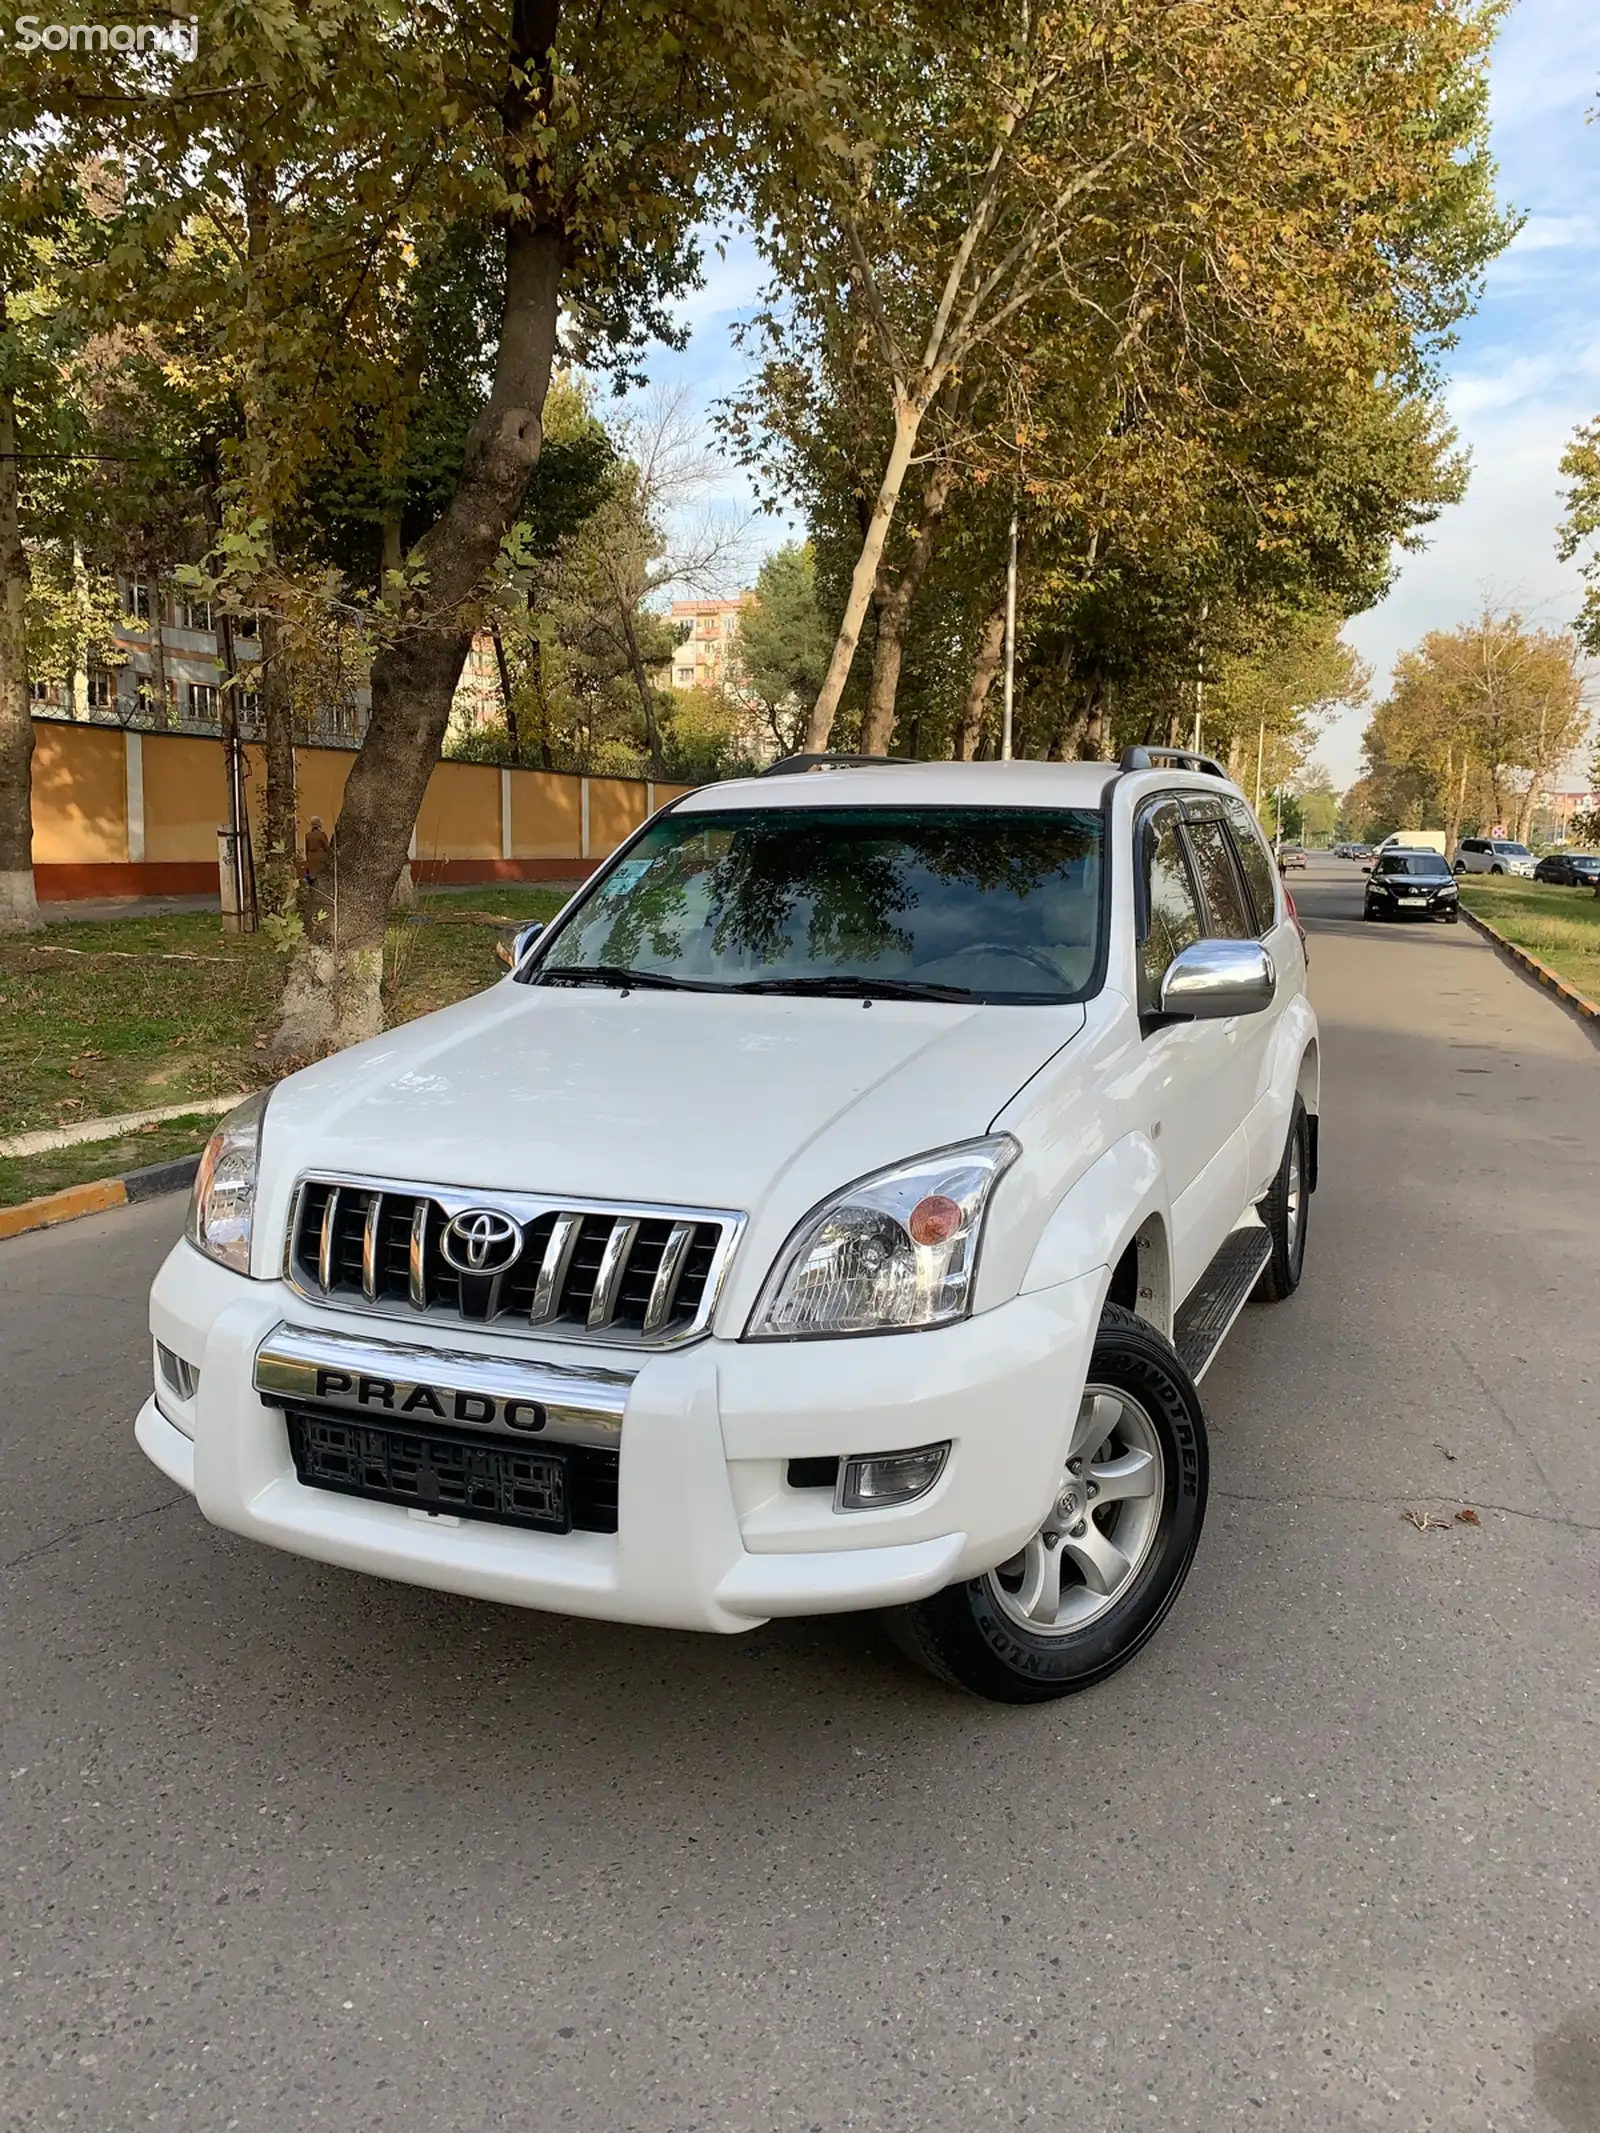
x=1525, y=372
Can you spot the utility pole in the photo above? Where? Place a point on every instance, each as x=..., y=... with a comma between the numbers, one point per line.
x=1011, y=643
x=1261, y=743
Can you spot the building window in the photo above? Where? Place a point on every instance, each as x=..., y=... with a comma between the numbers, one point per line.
x=102, y=689
x=203, y=700
x=193, y=614
x=42, y=692
x=152, y=704
x=686, y=677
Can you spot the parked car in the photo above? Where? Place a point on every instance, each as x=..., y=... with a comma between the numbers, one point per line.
x=1570, y=870
x=1411, y=885
x=1291, y=855
x=1493, y=855
x=835, y=1208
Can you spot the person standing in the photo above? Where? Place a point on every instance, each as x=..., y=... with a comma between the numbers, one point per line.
x=318, y=846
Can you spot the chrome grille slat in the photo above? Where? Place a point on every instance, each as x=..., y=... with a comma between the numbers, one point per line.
x=553, y=1268
x=603, y=1304
x=330, y=1219
x=640, y=1276
x=416, y=1264
x=369, y=1247
x=665, y=1286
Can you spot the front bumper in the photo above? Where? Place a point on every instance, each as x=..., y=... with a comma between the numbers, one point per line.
x=709, y=1533
x=1430, y=907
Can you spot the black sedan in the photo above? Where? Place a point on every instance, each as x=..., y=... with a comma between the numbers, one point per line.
x=1570, y=870
x=1412, y=885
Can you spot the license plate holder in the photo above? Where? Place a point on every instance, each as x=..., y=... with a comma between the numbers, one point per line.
x=489, y=1478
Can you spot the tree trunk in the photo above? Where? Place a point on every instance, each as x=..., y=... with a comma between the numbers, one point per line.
x=907, y=421
x=19, y=906
x=160, y=712
x=889, y=650
x=332, y=995
x=1455, y=800
x=506, y=703
x=1091, y=745
x=641, y=681
x=991, y=650
x=280, y=869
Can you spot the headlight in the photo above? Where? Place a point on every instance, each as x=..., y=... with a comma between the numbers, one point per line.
x=894, y=1250
x=223, y=1204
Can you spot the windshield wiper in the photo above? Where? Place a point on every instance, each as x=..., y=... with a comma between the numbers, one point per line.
x=616, y=974
x=844, y=987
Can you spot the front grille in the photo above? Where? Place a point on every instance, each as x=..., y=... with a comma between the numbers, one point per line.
x=644, y=1276
x=556, y=1489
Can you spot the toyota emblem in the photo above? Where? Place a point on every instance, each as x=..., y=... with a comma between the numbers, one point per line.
x=481, y=1240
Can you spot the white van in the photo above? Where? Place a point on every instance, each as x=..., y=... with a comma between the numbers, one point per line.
x=1412, y=841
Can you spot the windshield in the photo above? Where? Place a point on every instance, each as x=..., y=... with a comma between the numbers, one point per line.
x=980, y=903
x=1412, y=863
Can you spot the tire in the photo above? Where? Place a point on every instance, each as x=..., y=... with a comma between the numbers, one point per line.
x=1497, y=870
x=990, y=1635
x=1459, y=868
x=1284, y=1211
x=1452, y=918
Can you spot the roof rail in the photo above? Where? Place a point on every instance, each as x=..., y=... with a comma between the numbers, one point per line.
x=1183, y=758
x=790, y=763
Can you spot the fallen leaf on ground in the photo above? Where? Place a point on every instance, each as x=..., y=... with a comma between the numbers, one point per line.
x=1466, y=1516
x=1425, y=1522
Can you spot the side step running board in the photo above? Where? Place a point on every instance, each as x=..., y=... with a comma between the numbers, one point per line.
x=1221, y=1293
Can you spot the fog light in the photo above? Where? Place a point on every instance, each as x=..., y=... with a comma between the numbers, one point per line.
x=880, y=1478
x=184, y=1378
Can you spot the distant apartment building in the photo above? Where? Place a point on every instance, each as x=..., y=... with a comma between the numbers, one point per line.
x=166, y=671
x=705, y=659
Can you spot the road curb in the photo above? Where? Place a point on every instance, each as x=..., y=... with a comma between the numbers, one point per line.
x=97, y=1196
x=49, y=1138
x=1579, y=1003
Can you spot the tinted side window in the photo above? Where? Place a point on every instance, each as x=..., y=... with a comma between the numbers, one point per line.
x=1258, y=867
x=1227, y=917
x=1172, y=908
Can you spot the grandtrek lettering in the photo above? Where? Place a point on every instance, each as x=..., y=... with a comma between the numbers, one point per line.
x=172, y=38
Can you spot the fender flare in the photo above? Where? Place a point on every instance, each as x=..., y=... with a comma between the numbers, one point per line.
x=1119, y=1200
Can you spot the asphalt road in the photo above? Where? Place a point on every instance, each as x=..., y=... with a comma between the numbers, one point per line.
x=284, y=1848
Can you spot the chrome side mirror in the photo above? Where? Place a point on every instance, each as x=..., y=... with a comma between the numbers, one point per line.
x=510, y=953
x=1214, y=979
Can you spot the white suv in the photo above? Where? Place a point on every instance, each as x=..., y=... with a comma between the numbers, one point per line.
x=834, y=1209
x=1493, y=855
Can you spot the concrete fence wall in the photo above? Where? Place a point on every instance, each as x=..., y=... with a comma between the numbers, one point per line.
x=120, y=813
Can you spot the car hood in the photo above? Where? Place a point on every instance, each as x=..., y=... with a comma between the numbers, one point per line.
x=656, y=1096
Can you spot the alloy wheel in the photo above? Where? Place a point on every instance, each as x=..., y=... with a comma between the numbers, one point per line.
x=1101, y=1527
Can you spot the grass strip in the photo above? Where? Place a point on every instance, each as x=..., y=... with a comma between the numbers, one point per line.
x=1559, y=926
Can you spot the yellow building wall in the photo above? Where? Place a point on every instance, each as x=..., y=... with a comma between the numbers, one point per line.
x=319, y=779
x=460, y=814
x=185, y=795
x=80, y=811
x=546, y=815
x=80, y=795
x=616, y=808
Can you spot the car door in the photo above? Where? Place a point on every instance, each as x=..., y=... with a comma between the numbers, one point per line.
x=1189, y=1075
x=1231, y=915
